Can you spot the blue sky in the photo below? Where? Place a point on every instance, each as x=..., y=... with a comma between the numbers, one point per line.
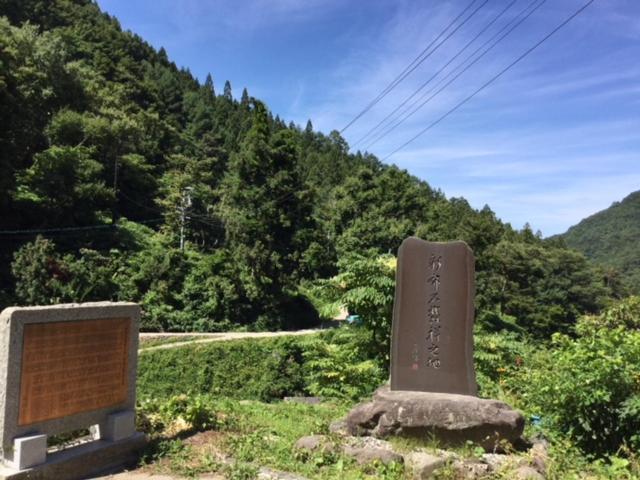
x=554, y=140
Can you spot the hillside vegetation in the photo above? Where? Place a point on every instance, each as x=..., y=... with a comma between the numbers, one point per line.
x=582, y=391
x=611, y=238
x=109, y=151
x=123, y=177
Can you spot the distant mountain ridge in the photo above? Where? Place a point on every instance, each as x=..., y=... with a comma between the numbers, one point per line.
x=611, y=238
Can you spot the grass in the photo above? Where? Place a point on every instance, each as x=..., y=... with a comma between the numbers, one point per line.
x=256, y=434
x=241, y=437
x=220, y=415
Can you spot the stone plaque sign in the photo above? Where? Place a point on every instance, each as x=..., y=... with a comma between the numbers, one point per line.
x=64, y=368
x=432, y=333
x=73, y=367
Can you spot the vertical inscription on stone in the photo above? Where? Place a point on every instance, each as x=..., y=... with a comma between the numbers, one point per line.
x=431, y=340
x=433, y=310
x=73, y=367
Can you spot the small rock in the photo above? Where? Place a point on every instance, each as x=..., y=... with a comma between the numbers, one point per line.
x=448, y=455
x=305, y=400
x=422, y=465
x=539, y=457
x=339, y=427
x=495, y=460
x=371, y=442
x=268, y=474
x=527, y=473
x=472, y=469
x=313, y=443
x=364, y=455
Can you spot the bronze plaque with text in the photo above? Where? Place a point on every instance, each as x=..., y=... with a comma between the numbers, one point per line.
x=73, y=367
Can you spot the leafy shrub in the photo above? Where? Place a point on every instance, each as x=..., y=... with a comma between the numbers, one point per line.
x=625, y=313
x=264, y=369
x=498, y=356
x=566, y=461
x=44, y=276
x=588, y=388
x=337, y=366
x=366, y=287
x=197, y=411
x=38, y=269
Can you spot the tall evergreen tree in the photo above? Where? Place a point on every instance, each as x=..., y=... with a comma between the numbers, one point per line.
x=245, y=97
x=266, y=208
x=227, y=91
x=208, y=86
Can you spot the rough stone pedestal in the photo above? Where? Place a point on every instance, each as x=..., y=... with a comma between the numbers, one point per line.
x=449, y=418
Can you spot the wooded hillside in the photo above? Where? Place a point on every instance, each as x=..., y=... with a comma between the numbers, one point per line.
x=610, y=238
x=108, y=151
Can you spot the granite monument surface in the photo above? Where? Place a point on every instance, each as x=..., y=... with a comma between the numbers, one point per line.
x=432, y=332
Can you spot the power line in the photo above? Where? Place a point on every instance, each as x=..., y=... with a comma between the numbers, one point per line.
x=207, y=220
x=509, y=27
x=460, y=52
x=417, y=61
x=131, y=200
x=53, y=230
x=494, y=78
x=412, y=109
x=64, y=230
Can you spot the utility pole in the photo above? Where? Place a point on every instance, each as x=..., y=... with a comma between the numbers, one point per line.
x=114, y=216
x=185, y=204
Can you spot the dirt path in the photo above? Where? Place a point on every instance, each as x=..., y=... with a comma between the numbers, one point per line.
x=196, y=338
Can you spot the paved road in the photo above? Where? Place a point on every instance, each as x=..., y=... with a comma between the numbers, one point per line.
x=215, y=337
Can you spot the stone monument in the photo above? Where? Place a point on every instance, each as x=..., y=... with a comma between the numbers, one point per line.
x=432, y=333
x=64, y=368
x=432, y=391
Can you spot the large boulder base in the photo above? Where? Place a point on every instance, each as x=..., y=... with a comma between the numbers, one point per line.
x=449, y=418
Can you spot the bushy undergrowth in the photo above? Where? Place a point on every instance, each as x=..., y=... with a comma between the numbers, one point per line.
x=336, y=365
x=588, y=386
x=258, y=434
x=332, y=364
x=262, y=369
x=365, y=286
x=192, y=412
x=584, y=387
x=497, y=357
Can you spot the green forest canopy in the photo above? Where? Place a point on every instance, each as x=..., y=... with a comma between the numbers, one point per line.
x=106, y=143
x=610, y=238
